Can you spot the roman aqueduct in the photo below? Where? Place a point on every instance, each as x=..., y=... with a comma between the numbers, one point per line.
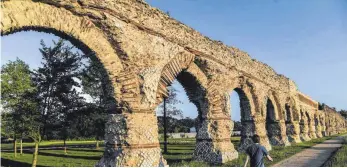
x=144, y=50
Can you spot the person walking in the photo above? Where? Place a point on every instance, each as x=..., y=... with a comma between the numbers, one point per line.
x=256, y=152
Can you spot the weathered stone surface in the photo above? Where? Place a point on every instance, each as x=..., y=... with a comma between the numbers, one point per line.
x=144, y=51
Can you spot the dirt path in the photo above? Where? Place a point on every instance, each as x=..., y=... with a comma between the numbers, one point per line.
x=315, y=156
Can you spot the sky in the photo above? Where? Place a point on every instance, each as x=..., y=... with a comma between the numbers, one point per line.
x=303, y=40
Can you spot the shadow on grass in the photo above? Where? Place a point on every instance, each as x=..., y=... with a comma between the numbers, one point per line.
x=61, y=155
x=171, y=161
x=171, y=154
x=54, y=147
x=85, y=150
x=13, y=163
x=182, y=149
x=69, y=156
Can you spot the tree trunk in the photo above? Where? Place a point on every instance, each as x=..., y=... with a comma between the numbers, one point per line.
x=165, y=127
x=21, y=146
x=35, y=154
x=97, y=144
x=65, y=147
x=15, y=147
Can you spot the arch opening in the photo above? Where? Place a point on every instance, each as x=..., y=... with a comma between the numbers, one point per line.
x=244, y=127
x=272, y=125
x=93, y=97
x=288, y=116
x=193, y=105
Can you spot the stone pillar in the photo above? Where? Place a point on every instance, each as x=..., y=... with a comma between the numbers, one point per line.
x=323, y=128
x=277, y=133
x=260, y=129
x=312, y=129
x=304, y=130
x=213, y=142
x=132, y=140
x=248, y=130
x=319, y=131
x=318, y=128
x=293, y=131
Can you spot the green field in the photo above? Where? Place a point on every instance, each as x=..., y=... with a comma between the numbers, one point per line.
x=51, y=143
x=179, y=154
x=340, y=158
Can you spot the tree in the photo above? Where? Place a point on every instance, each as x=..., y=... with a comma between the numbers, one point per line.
x=237, y=126
x=56, y=82
x=96, y=83
x=32, y=120
x=187, y=123
x=15, y=83
x=343, y=113
x=169, y=111
x=19, y=97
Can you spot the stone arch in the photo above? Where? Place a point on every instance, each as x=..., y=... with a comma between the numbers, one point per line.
x=248, y=100
x=272, y=98
x=288, y=113
x=271, y=110
x=291, y=110
x=122, y=134
x=196, y=85
x=80, y=31
x=275, y=126
x=244, y=88
x=292, y=118
x=247, y=90
x=247, y=114
x=170, y=72
x=304, y=127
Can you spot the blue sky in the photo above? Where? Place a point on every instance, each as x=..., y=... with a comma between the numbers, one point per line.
x=304, y=40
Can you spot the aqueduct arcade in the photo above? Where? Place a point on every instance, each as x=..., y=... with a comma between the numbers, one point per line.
x=144, y=50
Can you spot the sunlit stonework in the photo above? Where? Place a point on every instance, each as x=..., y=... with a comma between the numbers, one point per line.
x=144, y=50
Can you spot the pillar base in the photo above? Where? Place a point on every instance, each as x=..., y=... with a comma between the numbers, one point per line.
x=304, y=137
x=292, y=132
x=276, y=137
x=142, y=157
x=130, y=141
x=312, y=135
x=281, y=140
x=205, y=151
x=319, y=134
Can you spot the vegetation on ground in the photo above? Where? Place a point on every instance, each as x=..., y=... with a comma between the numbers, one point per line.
x=76, y=157
x=278, y=153
x=340, y=157
x=180, y=153
x=55, y=143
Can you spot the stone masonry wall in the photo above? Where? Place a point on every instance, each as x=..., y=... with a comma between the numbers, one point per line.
x=144, y=51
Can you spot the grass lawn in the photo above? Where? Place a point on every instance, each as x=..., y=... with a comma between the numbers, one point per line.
x=76, y=157
x=180, y=153
x=277, y=153
x=50, y=143
x=340, y=158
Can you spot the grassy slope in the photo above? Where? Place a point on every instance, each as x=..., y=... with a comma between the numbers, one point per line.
x=340, y=158
x=180, y=154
